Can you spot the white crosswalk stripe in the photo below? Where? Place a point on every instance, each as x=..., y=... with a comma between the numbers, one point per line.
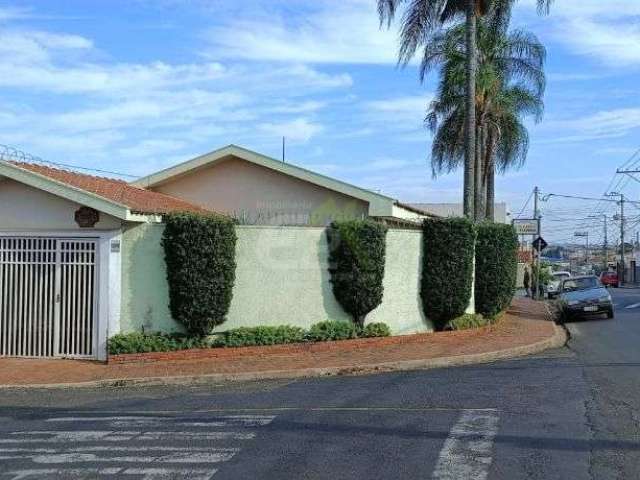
x=635, y=305
x=466, y=453
x=60, y=453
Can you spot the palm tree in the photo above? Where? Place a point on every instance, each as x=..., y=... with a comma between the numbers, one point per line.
x=510, y=85
x=420, y=20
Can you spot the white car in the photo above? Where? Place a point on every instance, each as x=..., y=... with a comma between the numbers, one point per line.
x=553, y=288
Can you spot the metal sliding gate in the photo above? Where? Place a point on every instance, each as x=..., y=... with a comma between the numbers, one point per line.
x=47, y=297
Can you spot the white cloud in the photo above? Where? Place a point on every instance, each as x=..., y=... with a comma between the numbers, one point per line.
x=64, y=99
x=605, y=124
x=410, y=107
x=331, y=32
x=12, y=13
x=298, y=130
x=605, y=30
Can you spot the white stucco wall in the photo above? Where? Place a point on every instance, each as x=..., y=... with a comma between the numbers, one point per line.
x=281, y=278
x=24, y=208
x=261, y=196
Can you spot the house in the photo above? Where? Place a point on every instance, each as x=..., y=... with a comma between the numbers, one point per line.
x=60, y=268
x=501, y=211
x=257, y=189
x=79, y=254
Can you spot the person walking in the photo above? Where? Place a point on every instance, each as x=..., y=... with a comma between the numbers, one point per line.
x=527, y=280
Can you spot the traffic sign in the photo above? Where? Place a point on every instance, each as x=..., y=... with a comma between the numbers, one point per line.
x=527, y=226
x=539, y=244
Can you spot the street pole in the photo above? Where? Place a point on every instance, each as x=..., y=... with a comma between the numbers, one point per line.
x=621, y=280
x=536, y=214
x=622, y=262
x=606, y=246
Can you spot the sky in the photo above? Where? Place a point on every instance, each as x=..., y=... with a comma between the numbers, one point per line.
x=138, y=85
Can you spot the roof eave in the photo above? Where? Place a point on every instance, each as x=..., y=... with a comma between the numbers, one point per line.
x=63, y=190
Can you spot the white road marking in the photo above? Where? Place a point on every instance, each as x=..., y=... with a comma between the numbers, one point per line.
x=80, y=455
x=78, y=436
x=168, y=474
x=91, y=473
x=137, y=421
x=467, y=451
x=181, y=457
x=114, y=436
x=196, y=436
x=78, y=473
x=116, y=448
x=635, y=305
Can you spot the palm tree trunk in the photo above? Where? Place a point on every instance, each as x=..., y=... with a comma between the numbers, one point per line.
x=491, y=187
x=470, y=124
x=478, y=184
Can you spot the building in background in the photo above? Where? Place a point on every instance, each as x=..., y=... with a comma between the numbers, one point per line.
x=501, y=211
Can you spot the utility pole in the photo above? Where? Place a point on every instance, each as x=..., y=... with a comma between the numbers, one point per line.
x=584, y=234
x=536, y=215
x=622, y=252
x=606, y=245
x=622, y=261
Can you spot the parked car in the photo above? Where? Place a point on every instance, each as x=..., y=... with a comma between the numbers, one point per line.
x=584, y=296
x=553, y=288
x=609, y=279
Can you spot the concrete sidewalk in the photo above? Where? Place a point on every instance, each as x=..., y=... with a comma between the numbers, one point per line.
x=527, y=328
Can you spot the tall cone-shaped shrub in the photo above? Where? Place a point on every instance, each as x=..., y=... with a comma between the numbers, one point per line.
x=200, y=258
x=447, y=269
x=356, y=263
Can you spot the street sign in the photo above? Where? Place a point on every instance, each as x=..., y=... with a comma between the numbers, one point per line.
x=527, y=226
x=539, y=244
x=581, y=234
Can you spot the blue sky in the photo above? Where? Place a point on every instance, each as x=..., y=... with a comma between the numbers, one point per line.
x=135, y=86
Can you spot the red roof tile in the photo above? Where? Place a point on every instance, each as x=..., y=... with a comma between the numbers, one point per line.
x=137, y=199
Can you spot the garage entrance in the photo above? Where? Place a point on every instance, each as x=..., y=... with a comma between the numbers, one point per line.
x=48, y=292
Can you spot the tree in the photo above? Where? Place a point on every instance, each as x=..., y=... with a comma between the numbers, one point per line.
x=510, y=85
x=420, y=20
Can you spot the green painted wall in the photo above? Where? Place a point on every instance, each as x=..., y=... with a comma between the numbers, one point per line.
x=281, y=278
x=401, y=307
x=145, y=295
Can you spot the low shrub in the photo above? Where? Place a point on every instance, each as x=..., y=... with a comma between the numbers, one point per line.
x=138, y=342
x=332, y=330
x=266, y=335
x=468, y=321
x=376, y=330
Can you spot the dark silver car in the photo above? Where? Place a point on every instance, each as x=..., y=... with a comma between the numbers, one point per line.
x=584, y=296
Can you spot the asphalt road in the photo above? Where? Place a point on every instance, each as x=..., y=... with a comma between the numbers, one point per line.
x=572, y=413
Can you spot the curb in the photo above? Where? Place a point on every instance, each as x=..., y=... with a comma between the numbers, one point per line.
x=557, y=340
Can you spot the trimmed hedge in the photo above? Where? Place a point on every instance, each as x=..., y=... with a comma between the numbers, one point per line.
x=468, y=321
x=332, y=330
x=447, y=269
x=254, y=336
x=200, y=257
x=376, y=330
x=356, y=263
x=138, y=342
x=496, y=268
